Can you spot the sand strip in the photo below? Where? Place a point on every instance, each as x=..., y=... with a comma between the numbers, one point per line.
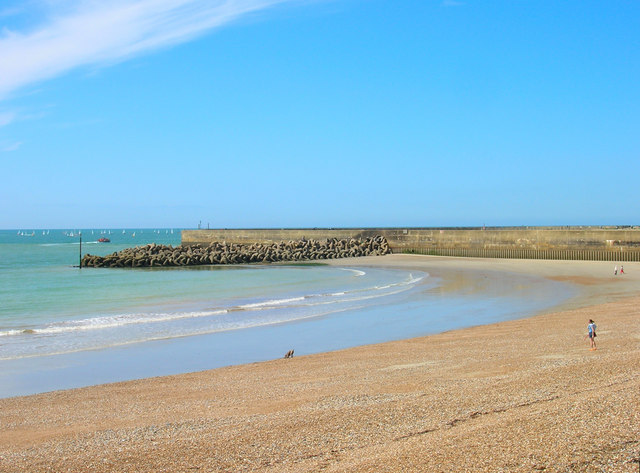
x=525, y=395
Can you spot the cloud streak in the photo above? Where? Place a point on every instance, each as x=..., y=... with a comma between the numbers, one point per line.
x=90, y=32
x=8, y=147
x=6, y=118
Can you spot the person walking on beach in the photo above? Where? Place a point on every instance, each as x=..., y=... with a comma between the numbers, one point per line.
x=615, y=270
x=621, y=269
x=591, y=333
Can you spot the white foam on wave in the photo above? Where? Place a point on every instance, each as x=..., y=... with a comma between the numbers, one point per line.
x=364, y=296
x=112, y=321
x=355, y=296
x=270, y=303
x=416, y=279
x=70, y=243
x=357, y=272
x=333, y=297
x=7, y=333
x=410, y=281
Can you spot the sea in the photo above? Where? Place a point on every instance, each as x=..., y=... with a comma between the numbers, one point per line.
x=62, y=326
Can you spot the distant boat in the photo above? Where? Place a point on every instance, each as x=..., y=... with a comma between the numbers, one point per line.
x=133, y=234
x=104, y=240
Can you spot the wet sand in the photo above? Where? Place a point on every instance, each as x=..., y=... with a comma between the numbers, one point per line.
x=524, y=395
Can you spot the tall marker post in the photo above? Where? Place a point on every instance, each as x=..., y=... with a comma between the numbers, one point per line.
x=80, y=256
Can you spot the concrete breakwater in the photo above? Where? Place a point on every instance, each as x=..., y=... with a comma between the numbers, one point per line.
x=603, y=243
x=233, y=253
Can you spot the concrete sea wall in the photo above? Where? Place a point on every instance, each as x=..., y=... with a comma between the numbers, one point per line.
x=565, y=243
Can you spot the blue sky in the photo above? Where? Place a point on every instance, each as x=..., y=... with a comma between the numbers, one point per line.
x=319, y=113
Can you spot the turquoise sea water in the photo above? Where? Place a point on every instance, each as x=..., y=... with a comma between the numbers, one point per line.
x=62, y=326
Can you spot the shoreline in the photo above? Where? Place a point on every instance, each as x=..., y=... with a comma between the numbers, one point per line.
x=460, y=395
x=595, y=278
x=455, y=298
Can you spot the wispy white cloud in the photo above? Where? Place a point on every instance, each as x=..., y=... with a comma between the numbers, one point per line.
x=78, y=33
x=6, y=118
x=8, y=147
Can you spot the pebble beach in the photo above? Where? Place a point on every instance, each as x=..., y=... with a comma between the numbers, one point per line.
x=523, y=395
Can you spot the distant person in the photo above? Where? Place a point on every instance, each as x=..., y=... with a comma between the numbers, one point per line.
x=615, y=270
x=621, y=269
x=591, y=333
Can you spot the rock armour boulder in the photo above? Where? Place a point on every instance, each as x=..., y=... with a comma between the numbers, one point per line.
x=224, y=253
